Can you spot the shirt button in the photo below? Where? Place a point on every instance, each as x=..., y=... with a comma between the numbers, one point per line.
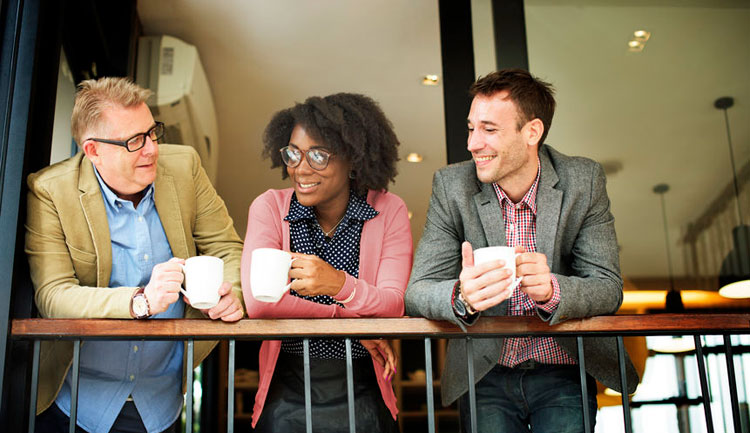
x=140, y=218
x=145, y=257
x=135, y=348
x=510, y=226
x=119, y=204
x=132, y=377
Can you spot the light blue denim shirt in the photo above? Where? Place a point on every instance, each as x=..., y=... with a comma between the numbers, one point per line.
x=149, y=371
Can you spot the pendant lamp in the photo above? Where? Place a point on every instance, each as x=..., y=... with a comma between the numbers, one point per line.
x=734, y=276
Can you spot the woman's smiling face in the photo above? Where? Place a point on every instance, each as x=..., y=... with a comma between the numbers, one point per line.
x=317, y=187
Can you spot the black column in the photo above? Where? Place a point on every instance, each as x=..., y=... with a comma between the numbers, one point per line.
x=28, y=81
x=509, y=26
x=457, y=50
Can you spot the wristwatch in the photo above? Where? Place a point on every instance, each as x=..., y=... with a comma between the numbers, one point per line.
x=139, y=304
x=461, y=308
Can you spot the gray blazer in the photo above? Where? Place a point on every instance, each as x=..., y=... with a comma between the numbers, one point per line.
x=575, y=230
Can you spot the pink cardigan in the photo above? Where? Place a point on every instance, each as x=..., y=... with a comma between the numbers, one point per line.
x=384, y=264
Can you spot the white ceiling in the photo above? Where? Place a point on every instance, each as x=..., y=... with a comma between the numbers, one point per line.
x=652, y=111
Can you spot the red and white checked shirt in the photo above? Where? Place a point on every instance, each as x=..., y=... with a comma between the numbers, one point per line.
x=520, y=229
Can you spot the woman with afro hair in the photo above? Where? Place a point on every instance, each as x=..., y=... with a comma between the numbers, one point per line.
x=351, y=241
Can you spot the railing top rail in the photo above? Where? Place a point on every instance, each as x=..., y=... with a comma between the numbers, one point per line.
x=404, y=327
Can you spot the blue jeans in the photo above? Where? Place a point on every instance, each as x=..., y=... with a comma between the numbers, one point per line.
x=542, y=399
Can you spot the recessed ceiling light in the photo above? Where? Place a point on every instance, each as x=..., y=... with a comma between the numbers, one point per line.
x=430, y=80
x=641, y=35
x=635, y=46
x=414, y=157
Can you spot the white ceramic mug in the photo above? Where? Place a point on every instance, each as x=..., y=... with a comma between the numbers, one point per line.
x=269, y=274
x=508, y=254
x=203, y=277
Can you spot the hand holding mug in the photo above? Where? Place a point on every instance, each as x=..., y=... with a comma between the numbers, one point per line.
x=312, y=276
x=536, y=277
x=163, y=289
x=229, y=307
x=488, y=283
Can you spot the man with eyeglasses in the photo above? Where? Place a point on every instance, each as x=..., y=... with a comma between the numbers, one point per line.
x=107, y=233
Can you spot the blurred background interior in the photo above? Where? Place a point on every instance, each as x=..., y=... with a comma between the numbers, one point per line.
x=656, y=91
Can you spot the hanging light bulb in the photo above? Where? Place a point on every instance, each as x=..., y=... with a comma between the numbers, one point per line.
x=673, y=302
x=734, y=277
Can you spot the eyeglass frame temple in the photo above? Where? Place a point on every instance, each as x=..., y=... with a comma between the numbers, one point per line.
x=125, y=142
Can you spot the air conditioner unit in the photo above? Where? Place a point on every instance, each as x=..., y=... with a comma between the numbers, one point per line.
x=182, y=98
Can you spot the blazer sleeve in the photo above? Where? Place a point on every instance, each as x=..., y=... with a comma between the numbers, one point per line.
x=264, y=230
x=54, y=265
x=213, y=229
x=437, y=262
x=385, y=296
x=594, y=285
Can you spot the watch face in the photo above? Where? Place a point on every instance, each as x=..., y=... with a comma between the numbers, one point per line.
x=140, y=306
x=459, y=308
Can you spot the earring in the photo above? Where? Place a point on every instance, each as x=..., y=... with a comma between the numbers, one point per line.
x=351, y=174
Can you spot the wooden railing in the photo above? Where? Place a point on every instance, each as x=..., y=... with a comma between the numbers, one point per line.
x=391, y=328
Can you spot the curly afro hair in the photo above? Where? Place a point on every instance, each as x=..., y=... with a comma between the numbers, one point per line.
x=352, y=126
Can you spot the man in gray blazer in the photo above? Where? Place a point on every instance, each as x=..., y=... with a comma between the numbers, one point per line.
x=554, y=210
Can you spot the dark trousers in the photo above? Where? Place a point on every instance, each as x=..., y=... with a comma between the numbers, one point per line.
x=540, y=398
x=284, y=409
x=53, y=420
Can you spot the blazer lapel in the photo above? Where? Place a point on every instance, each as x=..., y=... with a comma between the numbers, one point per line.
x=167, y=204
x=490, y=215
x=548, y=205
x=92, y=204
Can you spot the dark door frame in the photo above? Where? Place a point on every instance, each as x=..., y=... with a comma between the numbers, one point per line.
x=457, y=52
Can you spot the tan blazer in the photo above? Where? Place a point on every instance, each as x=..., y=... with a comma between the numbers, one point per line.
x=70, y=252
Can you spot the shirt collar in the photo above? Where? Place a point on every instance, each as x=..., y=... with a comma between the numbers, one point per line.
x=529, y=199
x=112, y=199
x=357, y=209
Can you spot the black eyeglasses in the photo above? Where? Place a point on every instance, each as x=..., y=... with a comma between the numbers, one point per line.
x=137, y=141
x=316, y=157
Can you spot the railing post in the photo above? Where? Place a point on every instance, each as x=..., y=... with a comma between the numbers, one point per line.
x=189, y=379
x=584, y=388
x=732, y=383
x=308, y=396
x=350, y=385
x=34, y=385
x=705, y=391
x=230, y=387
x=472, y=389
x=624, y=385
x=428, y=384
x=74, y=386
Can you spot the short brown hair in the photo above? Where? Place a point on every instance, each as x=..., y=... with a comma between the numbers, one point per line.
x=533, y=97
x=94, y=96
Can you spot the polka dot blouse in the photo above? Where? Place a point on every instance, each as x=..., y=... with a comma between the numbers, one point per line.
x=340, y=251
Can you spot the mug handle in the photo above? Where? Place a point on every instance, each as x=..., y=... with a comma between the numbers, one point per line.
x=184, y=292
x=517, y=282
